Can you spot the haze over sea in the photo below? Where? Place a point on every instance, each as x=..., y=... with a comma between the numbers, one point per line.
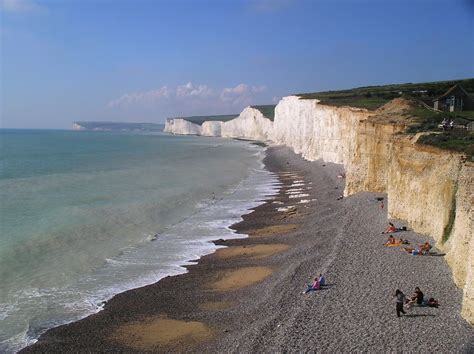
x=85, y=215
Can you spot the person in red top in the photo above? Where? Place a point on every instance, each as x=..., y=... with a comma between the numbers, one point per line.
x=315, y=286
x=391, y=228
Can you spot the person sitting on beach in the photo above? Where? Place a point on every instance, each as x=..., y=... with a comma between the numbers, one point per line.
x=416, y=298
x=322, y=280
x=425, y=248
x=315, y=286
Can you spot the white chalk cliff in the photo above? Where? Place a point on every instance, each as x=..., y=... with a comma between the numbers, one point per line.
x=76, y=126
x=180, y=126
x=250, y=124
x=430, y=188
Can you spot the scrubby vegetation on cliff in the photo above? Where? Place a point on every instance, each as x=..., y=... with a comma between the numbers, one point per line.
x=456, y=140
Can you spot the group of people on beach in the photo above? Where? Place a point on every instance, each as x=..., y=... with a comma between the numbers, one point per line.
x=401, y=300
x=421, y=250
x=417, y=299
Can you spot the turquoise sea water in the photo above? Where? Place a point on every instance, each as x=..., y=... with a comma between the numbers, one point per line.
x=85, y=215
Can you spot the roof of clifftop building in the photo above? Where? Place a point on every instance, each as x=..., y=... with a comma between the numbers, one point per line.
x=451, y=90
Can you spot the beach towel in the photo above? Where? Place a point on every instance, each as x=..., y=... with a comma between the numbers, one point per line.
x=392, y=244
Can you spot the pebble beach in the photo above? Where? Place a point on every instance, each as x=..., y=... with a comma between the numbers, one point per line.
x=247, y=296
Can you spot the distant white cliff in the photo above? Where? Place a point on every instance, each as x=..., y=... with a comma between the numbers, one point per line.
x=76, y=126
x=250, y=124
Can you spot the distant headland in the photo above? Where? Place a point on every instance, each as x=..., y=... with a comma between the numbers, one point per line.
x=116, y=126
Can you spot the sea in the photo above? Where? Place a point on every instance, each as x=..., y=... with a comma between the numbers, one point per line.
x=85, y=215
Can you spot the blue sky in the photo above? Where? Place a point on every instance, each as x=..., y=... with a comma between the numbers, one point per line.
x=144, y=61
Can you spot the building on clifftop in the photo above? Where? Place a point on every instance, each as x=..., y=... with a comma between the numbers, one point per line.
x=455, y=99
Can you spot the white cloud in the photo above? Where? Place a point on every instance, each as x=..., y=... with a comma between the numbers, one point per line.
x=257, y=89
x=21, y=6
x=146, y=97
x=191, y=97
x=239, y=89
x=194, y=91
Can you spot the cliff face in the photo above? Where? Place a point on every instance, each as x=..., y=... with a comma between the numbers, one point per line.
x=250, y=124
x=211, y=128
x=315, y=131
x=180, y=126
x=368, y=166
x=431, y=189
x=460, y=245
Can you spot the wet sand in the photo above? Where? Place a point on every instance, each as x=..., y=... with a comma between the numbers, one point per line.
x=248, y=297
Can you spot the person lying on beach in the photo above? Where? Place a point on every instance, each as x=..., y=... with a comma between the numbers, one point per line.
x=412, y=251
x=424, y=250
x=390, y=229
x=390, y=241
x=416, y=298
x=312, y=287
x=432, y=302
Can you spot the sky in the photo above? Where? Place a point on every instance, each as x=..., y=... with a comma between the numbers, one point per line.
x=147, y=60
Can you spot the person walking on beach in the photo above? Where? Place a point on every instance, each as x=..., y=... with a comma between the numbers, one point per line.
x=399, y=300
